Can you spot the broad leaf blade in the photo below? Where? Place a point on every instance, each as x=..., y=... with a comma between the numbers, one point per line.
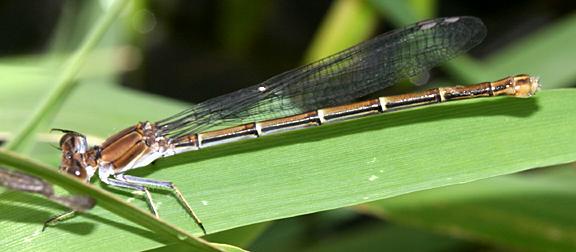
x=372, y=158
x=321, y=168
x=533, y=212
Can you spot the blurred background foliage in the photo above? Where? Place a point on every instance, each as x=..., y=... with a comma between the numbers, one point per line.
x=194, y=50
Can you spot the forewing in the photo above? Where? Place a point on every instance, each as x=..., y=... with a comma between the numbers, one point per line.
x=355, y=72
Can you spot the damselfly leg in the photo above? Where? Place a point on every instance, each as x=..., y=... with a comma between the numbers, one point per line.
x=19, y=181
x=165, y=185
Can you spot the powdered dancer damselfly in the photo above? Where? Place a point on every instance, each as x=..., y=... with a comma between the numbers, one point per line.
x=310, y=95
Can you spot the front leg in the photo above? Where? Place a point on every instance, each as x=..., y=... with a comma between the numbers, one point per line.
x=52, y=221
x=75, y=203
x=166, y=185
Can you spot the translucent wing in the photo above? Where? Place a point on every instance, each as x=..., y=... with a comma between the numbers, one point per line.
x=355, y=72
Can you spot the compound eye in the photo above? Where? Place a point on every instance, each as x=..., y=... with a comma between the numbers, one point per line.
x=67, y=155
x=74, y=169
x=74, y=142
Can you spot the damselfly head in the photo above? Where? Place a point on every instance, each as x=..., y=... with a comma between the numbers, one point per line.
x=73, y=146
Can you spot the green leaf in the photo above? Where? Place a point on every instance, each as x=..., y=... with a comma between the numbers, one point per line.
x=65, y=81
x=164, y=232
x=241, y=237
x=385, y=237
x=403, y=13
x=373, y=158
x=238, y=24
x=341, y=230
x=533, y=212
x=24, y=214
x=347, y=23
x=310, y=170
x=179, y=247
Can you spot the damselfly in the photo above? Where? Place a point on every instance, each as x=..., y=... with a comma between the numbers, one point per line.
x=311, y=95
